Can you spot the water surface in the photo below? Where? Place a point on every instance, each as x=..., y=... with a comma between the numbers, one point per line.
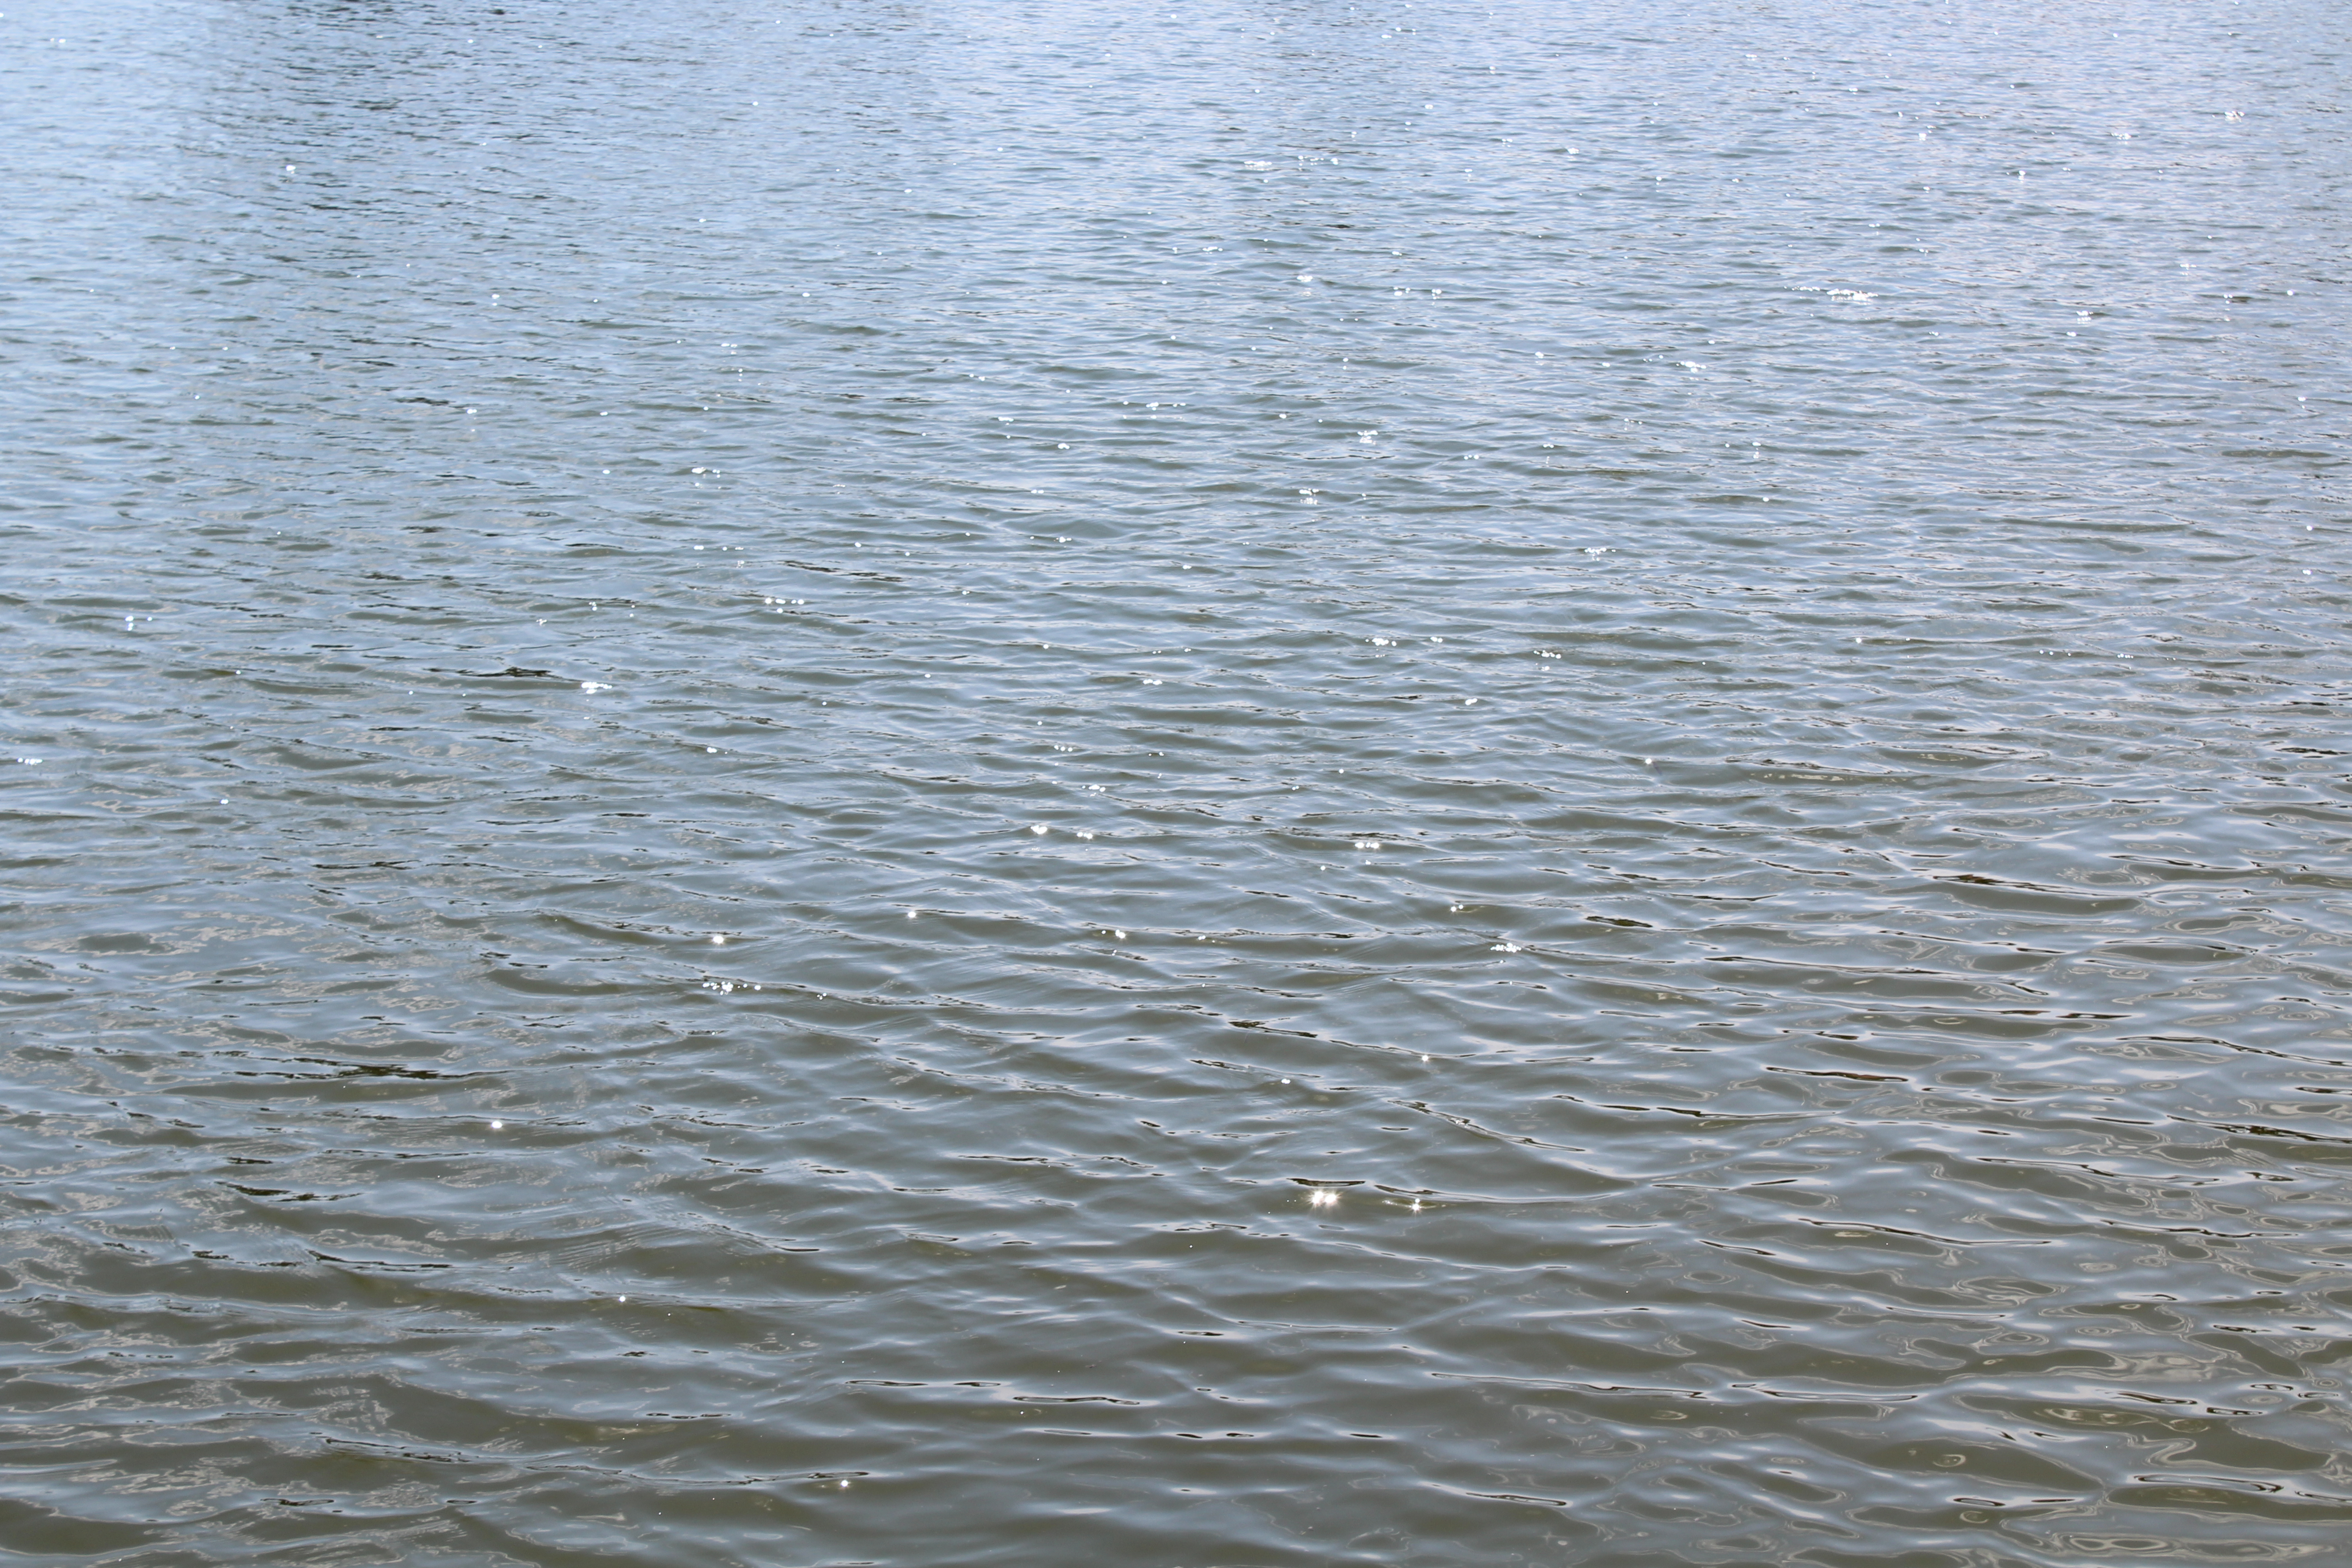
x=1213, y=787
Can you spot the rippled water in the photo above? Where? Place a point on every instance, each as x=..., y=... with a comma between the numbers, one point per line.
x=1206, y=787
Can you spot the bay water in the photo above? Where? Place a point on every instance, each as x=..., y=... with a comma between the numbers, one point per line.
x=1235, y=784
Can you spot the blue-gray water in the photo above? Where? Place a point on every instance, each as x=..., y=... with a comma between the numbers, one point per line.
x=1252, y=784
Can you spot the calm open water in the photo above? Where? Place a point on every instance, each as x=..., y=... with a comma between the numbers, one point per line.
x=1227, y=786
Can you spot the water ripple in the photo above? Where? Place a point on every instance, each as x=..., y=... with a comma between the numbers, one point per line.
x=1273, y=786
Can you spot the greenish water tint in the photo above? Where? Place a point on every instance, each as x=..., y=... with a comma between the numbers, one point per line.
x=1214, y=786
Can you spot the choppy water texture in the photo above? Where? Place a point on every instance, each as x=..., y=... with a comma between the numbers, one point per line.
x=1213, y=787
